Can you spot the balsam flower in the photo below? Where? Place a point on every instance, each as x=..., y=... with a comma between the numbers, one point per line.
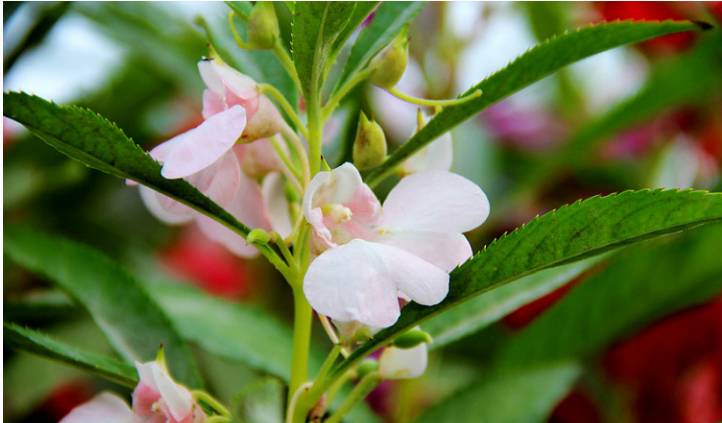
x=372, y=255
x=156, y=399
x=211, y=159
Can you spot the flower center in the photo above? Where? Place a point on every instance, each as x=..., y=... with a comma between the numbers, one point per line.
x=338, y=213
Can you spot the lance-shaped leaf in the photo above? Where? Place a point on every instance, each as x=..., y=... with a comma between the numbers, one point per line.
x=133, y=323
x=388, y=21
x=523, y=395
x=537, y=63
x=487, y=308
x=233, y=331
x=94, y=141
x=316, y=26
x=562, y=236
x=634, y=289
x=38, y=343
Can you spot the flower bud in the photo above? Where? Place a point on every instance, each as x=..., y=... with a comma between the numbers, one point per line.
x=412, y=338
x=366, y=367
x=263, y=26
x=397, y=363
x=389, y=65
x=258, y=236
x=369, y=148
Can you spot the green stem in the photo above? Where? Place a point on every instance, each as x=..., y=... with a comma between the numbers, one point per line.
x=216, y=405
x=428, y=102
x=285, y=105
x=300, y=150
x=302, y=320
x=236, y=36
x=218, y=419
x=328, y=362
x=335, y=99
x=287, y=63
x=366, y=385
x=289, y=169
x=315, y=131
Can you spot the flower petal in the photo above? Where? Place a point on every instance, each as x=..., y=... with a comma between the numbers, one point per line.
x=276, y=203
x=165, y=208
x=435, y=201
x=176, y=397
x=212, y=103
x=218, y=77
x=348, y=283
x=398, y=363
x=436, y=156
x=195, y=150
x=445, y=250
x=104, y=407
x=361, y=281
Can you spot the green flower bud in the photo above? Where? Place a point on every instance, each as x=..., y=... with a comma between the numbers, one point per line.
x=412, y=338
x=369, y=148
x=389, y=65
x=366, y=367
x=263, y=26
x=258, y=236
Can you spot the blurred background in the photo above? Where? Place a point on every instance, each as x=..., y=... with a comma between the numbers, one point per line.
x=642, y=116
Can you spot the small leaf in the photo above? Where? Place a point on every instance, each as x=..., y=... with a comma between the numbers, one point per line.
x=388, y=21
x=38, y=343
x=315, y=28
x=242, y=8
x=360, y=12
x=522, y=395
x=133, y=323
x=575, y=231
x=94, y=141
x=532, y=66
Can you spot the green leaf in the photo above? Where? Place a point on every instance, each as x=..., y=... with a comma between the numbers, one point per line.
x=685, y=80
x=133, y=323
x=359, y=14
x=260, y=401
x=242, y=8
x=388, y=21
x=38, y=343
x=532, y=66
x=523, y=395
x=316, y=26
x=487, y=308
x=575, y=231
x=636, y=288
x=94, y=141
x=234, y=331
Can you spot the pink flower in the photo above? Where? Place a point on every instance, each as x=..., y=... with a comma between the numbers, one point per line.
x=404, y=249
x=209, y=158
x=156, y=399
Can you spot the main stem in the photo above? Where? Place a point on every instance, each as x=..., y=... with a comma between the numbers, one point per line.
x=315, y=131
x=302, y=319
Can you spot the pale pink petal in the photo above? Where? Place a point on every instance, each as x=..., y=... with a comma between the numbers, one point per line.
x=220, y=181
x=436, y=156
x=258, y=158
x=212, y=103
x=445, y=250
x=165, y=208
x=195, y=150
x=176, y=397
x=361, y=280
x=276, y=203
x=104, y=407
x=218, y=76
x=435, y=201
x=349, y=283
x=247, y=207
x=144, y=399
x=263, y=119
x=398, y=363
